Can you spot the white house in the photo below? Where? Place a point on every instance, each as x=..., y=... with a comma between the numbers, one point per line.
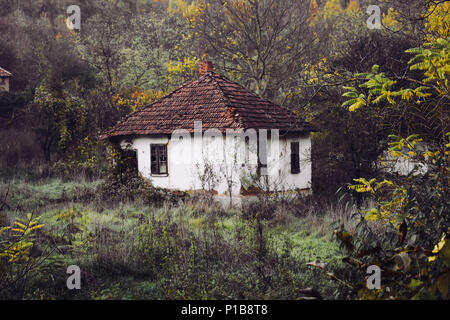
x=213, y=134
x=4, y=80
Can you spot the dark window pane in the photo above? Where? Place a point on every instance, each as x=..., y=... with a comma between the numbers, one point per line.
x=158, y=158
x=295, y=157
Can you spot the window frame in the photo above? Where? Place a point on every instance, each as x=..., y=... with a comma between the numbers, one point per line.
x=158, y=161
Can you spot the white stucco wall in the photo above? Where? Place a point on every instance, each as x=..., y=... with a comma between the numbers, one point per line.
x=400, y=165
x=188, y=157
x=4, y=84
x=300, y=180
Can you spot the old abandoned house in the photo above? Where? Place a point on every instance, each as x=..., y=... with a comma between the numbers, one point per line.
x=213, y=134
x=4, y=80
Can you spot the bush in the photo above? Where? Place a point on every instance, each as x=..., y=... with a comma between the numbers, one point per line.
x=413, y=251
x=131, y=186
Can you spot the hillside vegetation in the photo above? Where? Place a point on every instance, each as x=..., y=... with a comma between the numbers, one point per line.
x=129, y=250
x=379, y=96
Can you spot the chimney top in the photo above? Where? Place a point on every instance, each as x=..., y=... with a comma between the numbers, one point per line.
x=205, y=67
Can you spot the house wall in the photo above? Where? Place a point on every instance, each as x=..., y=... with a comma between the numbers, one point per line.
x=4, y=84
x=190, y=156
x=285, y=178
x=390, y=164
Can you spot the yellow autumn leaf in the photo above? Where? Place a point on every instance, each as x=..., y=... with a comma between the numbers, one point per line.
x=20, y=225
x=437, y=248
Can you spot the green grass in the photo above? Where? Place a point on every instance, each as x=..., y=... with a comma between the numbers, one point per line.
x=32, y=196
x=129, y=250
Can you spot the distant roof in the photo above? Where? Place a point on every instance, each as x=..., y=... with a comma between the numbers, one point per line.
x=4, y=73
x=216, y=101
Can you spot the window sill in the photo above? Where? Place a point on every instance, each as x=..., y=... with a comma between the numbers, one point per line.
x=162, y=175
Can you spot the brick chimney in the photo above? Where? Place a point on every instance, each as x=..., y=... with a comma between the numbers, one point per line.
x=205, y=67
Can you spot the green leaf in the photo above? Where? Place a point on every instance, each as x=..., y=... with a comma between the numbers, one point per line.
x=414, y=284
x=372, y=215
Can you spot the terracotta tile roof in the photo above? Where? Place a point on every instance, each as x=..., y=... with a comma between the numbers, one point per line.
x=216, y=101
x=4, y=73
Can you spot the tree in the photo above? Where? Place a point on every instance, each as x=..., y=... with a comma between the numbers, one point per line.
x=332, y=9
x=256, y=42
x=428, y=96
x=414, y=251
x=353, y=6
x=59, y=121
x=136, y=98
x=438, y=20
x=347, y=47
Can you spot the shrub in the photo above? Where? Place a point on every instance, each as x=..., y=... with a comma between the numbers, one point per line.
x=413, y=252
x=17, y=260
x=123, y=182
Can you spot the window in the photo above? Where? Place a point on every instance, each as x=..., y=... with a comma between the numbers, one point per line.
x=262, y=156
x=247, y=151
x=158, y=158
x=295, y=157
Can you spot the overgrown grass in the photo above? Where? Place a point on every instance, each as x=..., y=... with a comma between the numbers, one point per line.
x=22, y=195
x=129, y=250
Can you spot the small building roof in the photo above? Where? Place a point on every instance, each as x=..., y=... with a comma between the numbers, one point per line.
x=5, y=73
x=216, y=101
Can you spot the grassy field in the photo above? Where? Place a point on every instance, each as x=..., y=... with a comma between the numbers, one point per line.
x=192, y=250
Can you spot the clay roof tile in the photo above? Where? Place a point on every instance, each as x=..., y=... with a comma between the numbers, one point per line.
x=217, y=102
